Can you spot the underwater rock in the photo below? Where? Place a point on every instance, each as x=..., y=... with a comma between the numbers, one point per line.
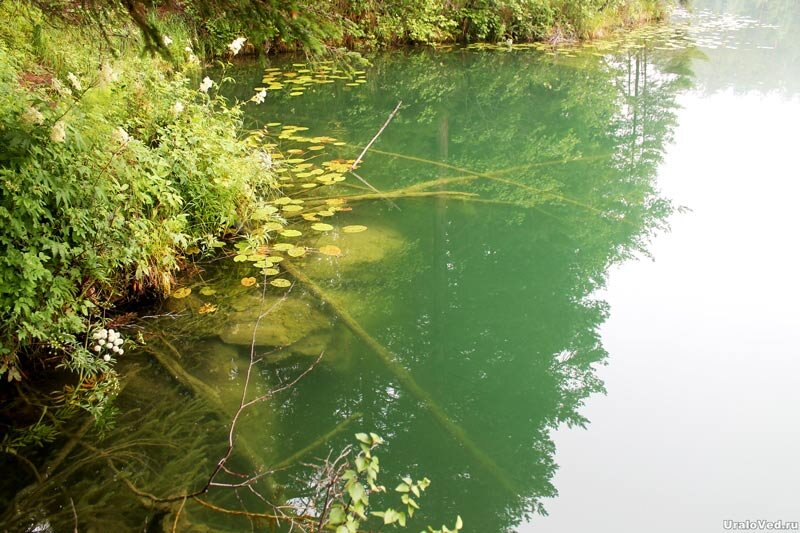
x=285, y=324
x=312, y=345
x=359, y=252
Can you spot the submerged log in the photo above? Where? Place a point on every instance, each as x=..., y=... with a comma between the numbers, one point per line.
x=296, y=456
x=404, y=377
x=200, y=390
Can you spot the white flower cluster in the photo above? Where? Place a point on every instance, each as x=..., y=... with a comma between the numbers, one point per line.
x=177, y=108
x=259, y=97
x=192, y=57
x=32, y=116
x=108, y=339
x=107, y=75
x=236, y=46
x=167, y=40
x=120, y=136
x=74, y=81
x=58, y=132
x=206, y=84
x=265, y=159
x=60, y=88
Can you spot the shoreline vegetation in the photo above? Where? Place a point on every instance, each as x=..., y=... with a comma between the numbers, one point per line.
x=119, y=169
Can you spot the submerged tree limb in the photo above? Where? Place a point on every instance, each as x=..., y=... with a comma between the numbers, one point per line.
x=398, y=194
x=198, y=387
x=404, y=376
x=248, y=514
x=352, y=169
x=283, y=463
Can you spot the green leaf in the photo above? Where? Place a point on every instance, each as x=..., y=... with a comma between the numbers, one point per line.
x=337, y=515
x=459, y=522
x=356, y=492
x=390, y=516
x=363, y=437
x=402, y=487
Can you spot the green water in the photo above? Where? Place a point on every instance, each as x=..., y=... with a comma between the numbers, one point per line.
x=490, y=307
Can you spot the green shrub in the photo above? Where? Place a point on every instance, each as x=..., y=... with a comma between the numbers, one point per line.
x=109, y=170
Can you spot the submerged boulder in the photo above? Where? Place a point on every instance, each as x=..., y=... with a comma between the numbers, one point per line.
x=284, y=322
x=359, y=251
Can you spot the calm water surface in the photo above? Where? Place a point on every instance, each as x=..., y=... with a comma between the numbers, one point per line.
x=514, y=310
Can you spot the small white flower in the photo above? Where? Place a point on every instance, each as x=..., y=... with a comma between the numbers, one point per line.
x=60, y=88
x=32, y=116
x=59, y=132
x=120, y=136
x=115, y=349
x=74, y=81
x=101, y=342
x=177, y=108
x=107, y=75
x=236, y=45
x=265, y=159
x=192, y=57
x=96, y=335
x=118, y=341
x=97, y=348
x=167, y=40
x=106, y=358
x=121, y=351
x=206, y=84
x=259, y=97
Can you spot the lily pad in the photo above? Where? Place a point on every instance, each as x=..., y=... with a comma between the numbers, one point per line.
x=356, y=228
x=331, y=250
x=207, y=308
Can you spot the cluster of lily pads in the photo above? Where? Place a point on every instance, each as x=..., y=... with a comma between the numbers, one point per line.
x=285, y=223
x=303, y=76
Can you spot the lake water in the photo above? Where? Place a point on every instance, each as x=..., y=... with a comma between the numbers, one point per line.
x=581, y=300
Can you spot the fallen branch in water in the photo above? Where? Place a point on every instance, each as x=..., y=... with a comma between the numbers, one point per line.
x=352, y=168
x=399, y=194
x=403, y=376
x=370, y=143
x=295, y=457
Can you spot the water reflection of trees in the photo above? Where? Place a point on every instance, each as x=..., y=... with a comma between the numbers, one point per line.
x=499, y=324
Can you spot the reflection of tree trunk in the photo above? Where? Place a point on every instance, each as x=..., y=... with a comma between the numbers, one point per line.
x=644, y=102
x=635, y=130
x=441, y=290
